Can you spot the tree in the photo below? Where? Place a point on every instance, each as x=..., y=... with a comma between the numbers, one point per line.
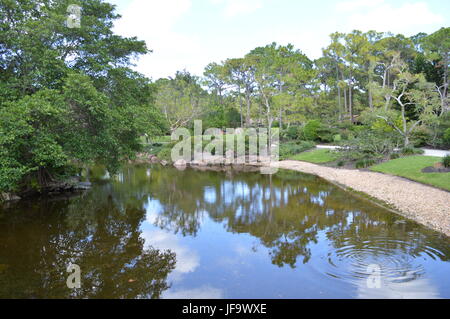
x=181, y=99
x=437, y=48
x=241, y=74
x=68, y=96
x=413, y=92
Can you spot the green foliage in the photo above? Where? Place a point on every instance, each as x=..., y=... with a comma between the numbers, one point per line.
x=165, y=154
x=410, y=150
x=369, y=144
x=289, y=149
x=310, y=130
x=292, y=133
x=446, y=161
x=446, y=136
x=363, y=163
x=67, y=95
x=317, y=156
x=340, y=163
x=420, y=137
x=394, y=156
x=337, y=138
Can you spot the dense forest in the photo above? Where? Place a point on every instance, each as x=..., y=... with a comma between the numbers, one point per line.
x=70, y=97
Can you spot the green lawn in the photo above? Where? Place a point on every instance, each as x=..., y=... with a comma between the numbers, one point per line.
x=317, y=156
x=410, y=167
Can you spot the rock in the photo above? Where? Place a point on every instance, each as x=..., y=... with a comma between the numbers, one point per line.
x=82, y=186
x=9, y=197
x=154, y=160
x=180, y=164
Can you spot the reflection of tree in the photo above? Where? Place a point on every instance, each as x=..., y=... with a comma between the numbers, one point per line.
x=92, y=232
x=100, y=230
x=286, y=212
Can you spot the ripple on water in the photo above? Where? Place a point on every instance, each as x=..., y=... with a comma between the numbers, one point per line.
x=397, y=262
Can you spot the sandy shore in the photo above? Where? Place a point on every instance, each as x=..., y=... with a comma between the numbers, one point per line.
x=425, y=204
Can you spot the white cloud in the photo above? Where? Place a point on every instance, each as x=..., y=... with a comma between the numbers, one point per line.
x=160, y=24
x=232, y=8
x=357, y=4
x=154, y=21
x=407, y=18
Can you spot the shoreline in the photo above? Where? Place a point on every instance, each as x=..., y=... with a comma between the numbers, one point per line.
x=424, y=204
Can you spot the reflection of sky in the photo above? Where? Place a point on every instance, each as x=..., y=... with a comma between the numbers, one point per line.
x=220, y=264
x=419, y=288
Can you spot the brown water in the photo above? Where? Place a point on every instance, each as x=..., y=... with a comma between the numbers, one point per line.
x=154, y=232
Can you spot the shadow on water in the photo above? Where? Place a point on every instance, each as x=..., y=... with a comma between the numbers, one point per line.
x=154, y=232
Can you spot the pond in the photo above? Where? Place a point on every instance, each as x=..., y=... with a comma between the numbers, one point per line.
x=157, y=232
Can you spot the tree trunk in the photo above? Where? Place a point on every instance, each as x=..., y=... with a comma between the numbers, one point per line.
x=339, y=95
x=247, y=98
x=345, y=101
x=242, y=111
x=350, y=106
x=281, y=120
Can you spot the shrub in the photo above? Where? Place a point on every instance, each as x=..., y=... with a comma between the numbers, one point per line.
x=363, y=163
x=340, y=163
x=326, y=134
x=292, y=133
x=165, y=154
x=309, y=131
x=368, y=144
x=446, y=136
x=420, y=137
x=410, y=150
x=394, y=156
x=446, y=161
x=293, y=148
x=337, y=138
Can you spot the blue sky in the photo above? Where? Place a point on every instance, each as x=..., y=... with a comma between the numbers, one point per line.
x=189, y=34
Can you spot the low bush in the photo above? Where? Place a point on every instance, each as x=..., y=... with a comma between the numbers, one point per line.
x=420, y=137
x=410, y=150
x=292, y=133
x=293, y=148
x=337, y=138
x=363, y=163
x=165, y=154
x=446, y=136
x=368, y=144
x=394, y=156
x=310, y=131
x=446, y=161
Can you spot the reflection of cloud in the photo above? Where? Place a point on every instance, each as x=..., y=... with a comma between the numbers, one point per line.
x=419, y=288
x=187, y=260
x=204, y=292
x=153, y=209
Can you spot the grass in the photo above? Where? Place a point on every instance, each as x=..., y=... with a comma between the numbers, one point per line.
x=317, y=156
x=411, y=167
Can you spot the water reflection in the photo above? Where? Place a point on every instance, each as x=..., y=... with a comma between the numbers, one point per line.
x=38, y=240
x=160, y=232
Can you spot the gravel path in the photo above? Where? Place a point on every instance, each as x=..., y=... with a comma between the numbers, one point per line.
x=425, y=204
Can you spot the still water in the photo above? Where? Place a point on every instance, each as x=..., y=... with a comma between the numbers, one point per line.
x=154, y=232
